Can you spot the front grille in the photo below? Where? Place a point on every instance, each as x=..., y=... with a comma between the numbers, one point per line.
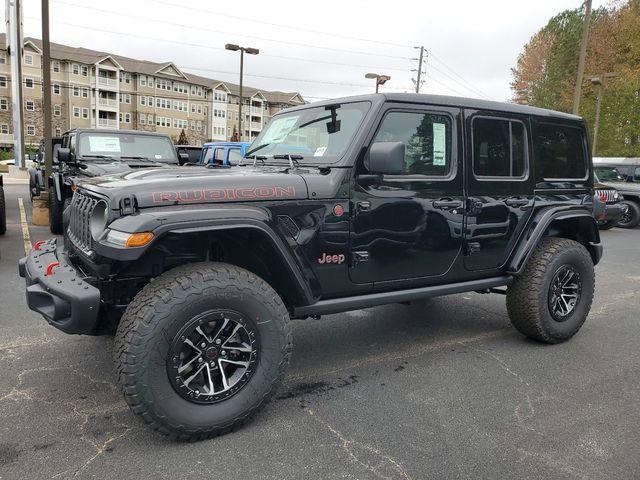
x=79, y=230
x=607, y=195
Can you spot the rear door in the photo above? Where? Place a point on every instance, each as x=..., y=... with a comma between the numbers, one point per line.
x=500, y=186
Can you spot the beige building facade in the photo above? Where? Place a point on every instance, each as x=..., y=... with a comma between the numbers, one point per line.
x=101, y=90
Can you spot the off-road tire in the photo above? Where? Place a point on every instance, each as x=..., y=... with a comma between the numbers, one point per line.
x=156, y=315
x=55, y=213
x=3, y=213
x=528, y=295
x=634, y=215
x=607, y=224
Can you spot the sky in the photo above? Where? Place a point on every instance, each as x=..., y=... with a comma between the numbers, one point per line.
x=320, y=49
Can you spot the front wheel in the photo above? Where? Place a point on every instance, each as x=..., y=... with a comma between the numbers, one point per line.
x=631, y=214
x=201, y=349
x=55, y=212
x=552, y=297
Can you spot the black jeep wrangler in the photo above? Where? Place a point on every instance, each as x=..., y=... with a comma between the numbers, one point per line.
x=88, y=152
x=341, y=205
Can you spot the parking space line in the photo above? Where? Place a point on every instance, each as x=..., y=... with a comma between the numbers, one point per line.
x=25, y=227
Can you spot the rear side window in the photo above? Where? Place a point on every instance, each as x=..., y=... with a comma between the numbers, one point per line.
x=499, y=148
x=235, y=156
x=427, y=139
x=560, y=152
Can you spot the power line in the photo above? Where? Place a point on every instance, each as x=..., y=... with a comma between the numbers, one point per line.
x=280, y=25
x=469, y=86
x=295, y=44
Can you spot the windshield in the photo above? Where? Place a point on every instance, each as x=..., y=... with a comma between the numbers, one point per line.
x=319, y=133
x=609, y=174
x=126, y=146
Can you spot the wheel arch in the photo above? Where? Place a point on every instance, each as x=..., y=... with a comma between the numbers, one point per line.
x=573, y=224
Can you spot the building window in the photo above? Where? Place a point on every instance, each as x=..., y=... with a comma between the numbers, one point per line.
x=125, y=98
x=85, y=113
x=75, y=69
x=57, y=110
x=4, y=128
x=76, y=91
x=76, y=112
x=28, y=82
x=31, y=130
x=163, y=84
x=85, y=71
x=3, y=58
x=55, y=66
x=56, y=89
x=85, y=93
x=3, y=81
x=4, y=104
x=143, y=80
x=143, y=119
x=58, y=132
x=150, y=119
x=180, y=87
x=29, y=105
x=28, y=59
x=125, y=77
x=127, y=118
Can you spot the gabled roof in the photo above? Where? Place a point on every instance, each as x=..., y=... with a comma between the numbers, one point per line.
x=113, y=60
x=171, y=66
x=33, y=45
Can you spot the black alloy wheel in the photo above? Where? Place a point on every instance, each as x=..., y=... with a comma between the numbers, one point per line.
x=564, y=292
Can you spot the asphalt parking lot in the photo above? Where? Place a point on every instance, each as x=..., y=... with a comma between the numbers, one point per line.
x=440, y=389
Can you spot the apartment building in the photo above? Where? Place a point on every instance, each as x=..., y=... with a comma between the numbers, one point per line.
x=98, y=89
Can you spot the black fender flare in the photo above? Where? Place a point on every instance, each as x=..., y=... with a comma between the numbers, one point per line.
x=56, y=183
x=542, y=224
x=162, y=221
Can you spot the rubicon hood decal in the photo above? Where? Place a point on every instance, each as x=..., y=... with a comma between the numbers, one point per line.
x=217, y=194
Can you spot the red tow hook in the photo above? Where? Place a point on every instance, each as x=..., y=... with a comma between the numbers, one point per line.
x=50, y=267
x=38, y=244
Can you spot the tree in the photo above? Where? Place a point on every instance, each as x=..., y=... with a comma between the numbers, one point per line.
x=182, y=139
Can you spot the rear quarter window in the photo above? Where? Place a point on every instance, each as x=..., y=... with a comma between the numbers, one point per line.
x=560, y=152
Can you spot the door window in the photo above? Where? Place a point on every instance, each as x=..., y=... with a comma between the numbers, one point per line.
x=427, y=140
x=235, y=156
x=560, y=152
x=499, y=148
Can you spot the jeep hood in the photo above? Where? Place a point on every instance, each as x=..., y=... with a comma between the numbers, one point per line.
x=96, y=169
x=197, y=185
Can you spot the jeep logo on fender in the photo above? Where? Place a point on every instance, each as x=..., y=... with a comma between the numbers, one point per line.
x=331, y=258
x=218, y=194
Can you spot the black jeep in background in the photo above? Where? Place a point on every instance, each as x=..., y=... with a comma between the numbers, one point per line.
x=346, y=204
x=88, y=152
x=630, y=191
x=613, y=206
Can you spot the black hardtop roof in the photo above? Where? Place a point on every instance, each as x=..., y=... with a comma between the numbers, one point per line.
x=115, y=132
x=447, y=101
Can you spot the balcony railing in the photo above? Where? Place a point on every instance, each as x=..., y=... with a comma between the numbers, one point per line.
x=107, y=102
x=107, y=123
x=106, y=82
x=256, y=111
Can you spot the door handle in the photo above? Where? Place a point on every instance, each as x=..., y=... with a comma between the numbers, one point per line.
x=516, y=202
x=447, y=204
x=363, y=206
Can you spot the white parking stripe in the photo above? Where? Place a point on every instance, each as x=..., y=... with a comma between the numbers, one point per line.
x=25, y=227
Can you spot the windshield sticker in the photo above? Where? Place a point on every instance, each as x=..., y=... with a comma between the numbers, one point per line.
x=158, y=157
x=439, y=144
x=279, y=129
x=320, y=151
x=104, y=144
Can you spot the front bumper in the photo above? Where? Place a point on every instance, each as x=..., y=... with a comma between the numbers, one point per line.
x=613, y=212
x=63, y=297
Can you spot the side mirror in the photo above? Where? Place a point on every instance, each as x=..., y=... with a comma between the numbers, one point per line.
x=386, y=158
x=64, y=155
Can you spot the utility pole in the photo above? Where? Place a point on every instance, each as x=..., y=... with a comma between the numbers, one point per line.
x=46, y=91
x=599, y=83
x=583, y=53
x=419, y=80
x=14, y=45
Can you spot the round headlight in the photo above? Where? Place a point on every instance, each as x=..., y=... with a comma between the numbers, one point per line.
x=99, y=218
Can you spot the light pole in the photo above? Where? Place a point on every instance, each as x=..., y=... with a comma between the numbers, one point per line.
x=598, y=82
x=250, y=51
x=380, y=79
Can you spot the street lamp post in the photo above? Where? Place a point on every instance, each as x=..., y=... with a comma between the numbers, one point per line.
x=380, y=79
x=250, y=51
x=598, y=82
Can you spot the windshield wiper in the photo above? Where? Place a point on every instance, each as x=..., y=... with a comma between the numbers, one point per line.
x=134, y=157
x=293, y=158
x=254, y=150
x=106, y=157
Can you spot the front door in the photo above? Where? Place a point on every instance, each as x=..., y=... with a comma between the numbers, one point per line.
x=500, y=186
x=408, y=226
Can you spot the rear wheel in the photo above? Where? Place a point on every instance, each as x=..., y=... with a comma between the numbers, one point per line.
x=201, y=349
x=552, y=297
x=631, y=214
x=3, y=213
